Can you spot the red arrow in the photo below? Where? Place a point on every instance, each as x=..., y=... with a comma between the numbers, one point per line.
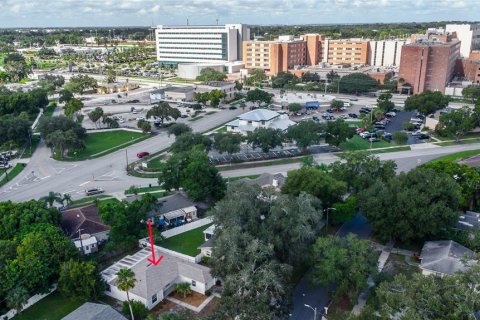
x=152, y=259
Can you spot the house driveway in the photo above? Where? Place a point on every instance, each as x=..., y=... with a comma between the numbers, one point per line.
x=305, y=293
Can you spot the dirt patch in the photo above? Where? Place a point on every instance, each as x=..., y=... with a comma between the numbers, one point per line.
x=194, y=299
x=472, y=161
x=210, y=307
x=165, y=306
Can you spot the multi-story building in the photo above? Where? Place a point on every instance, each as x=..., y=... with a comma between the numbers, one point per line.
x=470, y=67
x=385, y=53
x=348, y=51
x=314, y=48
x=275, y=56
x=428, y=64
x=468, y=34
x=194, y=44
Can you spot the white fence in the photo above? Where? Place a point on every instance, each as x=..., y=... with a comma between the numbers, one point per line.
x=34, y=299
x=187, y=227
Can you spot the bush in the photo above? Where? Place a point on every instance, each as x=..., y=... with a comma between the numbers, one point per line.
x=400, y=137
x=140, y=311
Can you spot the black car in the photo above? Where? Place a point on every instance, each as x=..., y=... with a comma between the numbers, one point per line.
x=423, y=136
x=353, y=115
x=329, y=110
x=364, y=111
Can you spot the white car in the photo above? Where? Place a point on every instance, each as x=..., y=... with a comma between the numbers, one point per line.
x=140, y=118
x=391, y=114
x=364, y=134
x=5, y=166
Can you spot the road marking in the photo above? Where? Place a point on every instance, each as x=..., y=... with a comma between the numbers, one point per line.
x=82, y=184
x=45, y=177
x=70, y=191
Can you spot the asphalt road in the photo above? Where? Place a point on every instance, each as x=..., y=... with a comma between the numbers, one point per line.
x=44, y=174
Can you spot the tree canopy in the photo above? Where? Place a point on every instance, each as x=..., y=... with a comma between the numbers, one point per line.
x=16, y=102
x=457, y=123
x=178, y=129
x=250, y=252
x=338, y=131
x=306, y=133
x=164, y=111
x=258, y=96
x=265, y=138
x=210, y=74
x=427, y=102
x=411, y=206
x=80, y=83
x=384, y=102
x=228, y=142
x=188, y=140
x=356, y=83
x=345, y=261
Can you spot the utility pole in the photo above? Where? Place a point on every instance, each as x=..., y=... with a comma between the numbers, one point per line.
x=126, y=158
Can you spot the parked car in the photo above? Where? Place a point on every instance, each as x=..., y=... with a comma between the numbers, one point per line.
x=365, y=134
x=353, y=99
x=5, y=166
x=373, y=139
x=142, y=154
x=423, y=136
x=184, y=116
x=94, y=191
x=360, y=130
x=139, y=118
x=353, y=115
x=390, y=114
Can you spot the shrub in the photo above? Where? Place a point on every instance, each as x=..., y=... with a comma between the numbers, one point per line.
x=140, y=312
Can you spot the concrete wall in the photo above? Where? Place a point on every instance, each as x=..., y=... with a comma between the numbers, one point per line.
x=192, y=71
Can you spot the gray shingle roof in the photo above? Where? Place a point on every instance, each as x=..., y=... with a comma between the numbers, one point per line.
x=85, y=218
x=94, y=311
x=266, y=179
x=174, y=202
x=444, y=257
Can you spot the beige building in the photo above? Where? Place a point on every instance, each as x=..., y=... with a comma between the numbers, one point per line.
x=353, y=51
x=226, y=87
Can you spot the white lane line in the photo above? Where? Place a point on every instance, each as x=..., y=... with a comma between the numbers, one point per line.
x=45, y=177
x=82, y=184
x=70, y=191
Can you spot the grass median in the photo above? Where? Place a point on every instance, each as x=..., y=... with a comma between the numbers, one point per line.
x=458, y=156
x=12, y=173
x=98, y=144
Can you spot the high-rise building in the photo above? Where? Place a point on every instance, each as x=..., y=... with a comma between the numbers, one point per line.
x=347, y=51
x=275, y=56
x=385, y=53
x=428, y=64
x=200, y=44
x=470, y=67
x=468, y=34
x=314, y=48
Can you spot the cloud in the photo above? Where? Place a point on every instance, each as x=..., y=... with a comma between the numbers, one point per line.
x=142, y=12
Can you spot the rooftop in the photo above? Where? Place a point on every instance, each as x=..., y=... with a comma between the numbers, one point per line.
x=179, y=89
x=94, y=311
x=218, y=84
x=469, y=220
x=444, y=257
x=259, y=115
x=150, y=278
x=85, y=218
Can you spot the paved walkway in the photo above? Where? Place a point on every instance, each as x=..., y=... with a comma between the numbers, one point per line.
x=189, y=306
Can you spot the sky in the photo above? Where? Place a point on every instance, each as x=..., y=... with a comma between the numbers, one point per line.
x=82, y=13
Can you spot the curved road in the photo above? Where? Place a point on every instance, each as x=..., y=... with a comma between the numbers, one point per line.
x=44, y=174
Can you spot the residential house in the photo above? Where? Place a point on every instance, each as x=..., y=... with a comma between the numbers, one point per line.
x=259, y=118
x=266, y=180
x=154, y=283
x=175, y=210
x=94, y=311
x=85, y=228
x=445, y=257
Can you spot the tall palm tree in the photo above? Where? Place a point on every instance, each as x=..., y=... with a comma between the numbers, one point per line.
x=67, y=197
x=126, y=281
x=52, y=197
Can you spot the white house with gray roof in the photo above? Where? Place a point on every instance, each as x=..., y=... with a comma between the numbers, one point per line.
x=444, y=257
x=94, y=311
x=259, y=118
x=154, y=283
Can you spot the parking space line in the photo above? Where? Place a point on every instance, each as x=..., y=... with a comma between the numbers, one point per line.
x=84, y=183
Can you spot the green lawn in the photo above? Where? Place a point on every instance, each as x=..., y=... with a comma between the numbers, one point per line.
x=253, y=176
x=458, y=156
x=146, y=189
x=101, y=143
x=11, y=174
x=196, y=118
x=50, y=109
x=52, y=307
x=358, y=143
x=156, y=163
x=187, y=242
x=104, y=198
x=30, y=149
x=260, y=164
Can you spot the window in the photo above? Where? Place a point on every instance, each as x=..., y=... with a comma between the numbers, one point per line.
x=194, y=283
x=154, y=298
x=263, y=122
x=93, y=246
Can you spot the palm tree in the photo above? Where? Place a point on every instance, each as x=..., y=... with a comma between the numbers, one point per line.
x=17, y=298
x=183, y=288
x=52, y=197
x=126, y=281
x=67, y=197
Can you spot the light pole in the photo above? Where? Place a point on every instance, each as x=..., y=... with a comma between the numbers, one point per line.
x=314, y=311
x=328, y=211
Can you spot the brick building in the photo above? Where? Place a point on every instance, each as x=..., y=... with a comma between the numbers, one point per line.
x=470, y=67
x=428, y=64
x=275, y=56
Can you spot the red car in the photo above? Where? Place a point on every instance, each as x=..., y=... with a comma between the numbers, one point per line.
x=360, y=130
x=140, y=155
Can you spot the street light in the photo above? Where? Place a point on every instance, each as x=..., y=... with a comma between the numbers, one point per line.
x=314, y=311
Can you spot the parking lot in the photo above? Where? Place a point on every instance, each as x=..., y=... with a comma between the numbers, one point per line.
x=247, y=155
